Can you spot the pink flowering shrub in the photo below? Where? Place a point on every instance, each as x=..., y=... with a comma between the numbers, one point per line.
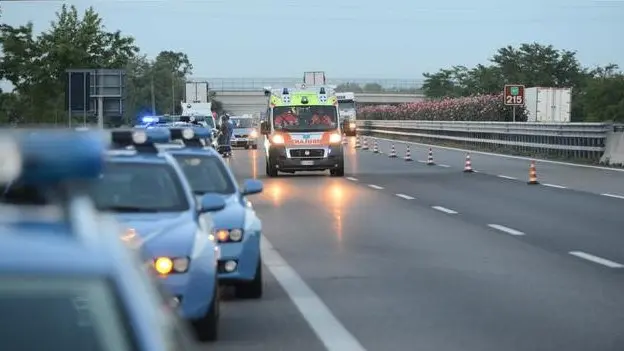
x=481, y=108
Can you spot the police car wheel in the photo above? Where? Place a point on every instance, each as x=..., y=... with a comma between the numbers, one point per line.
x=339, y=172
x=246, y=147
x=252, y=289
x=270, y=170
x=207, y=328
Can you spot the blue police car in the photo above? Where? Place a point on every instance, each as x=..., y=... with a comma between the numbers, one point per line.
x=146, y=190
x=238, y=228
x=66, y=283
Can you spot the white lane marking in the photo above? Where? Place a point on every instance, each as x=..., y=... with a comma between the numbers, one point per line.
x=445, y=166
x=422, y=161
x=375, y=186
x=554, y=186
x=506, y=177
x=507, y=230
x=596, y=259
x=329, y=330
x=614, y=196
x=444, y=209
x=352, y=179
x=514, y=157
x=406, y=197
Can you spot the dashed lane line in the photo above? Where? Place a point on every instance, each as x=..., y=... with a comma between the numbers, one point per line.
x=406, y=197
x=352, y=179
x=443, y=165
x=375, y=186
x=327, y=327
x=554, y=186
x=614, y=196
x=596, y=259
x=506, y=177
x=504, y=229
x=444, y=209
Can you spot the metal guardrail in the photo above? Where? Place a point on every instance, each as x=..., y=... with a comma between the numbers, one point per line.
x=568, y=140
x=257, y=84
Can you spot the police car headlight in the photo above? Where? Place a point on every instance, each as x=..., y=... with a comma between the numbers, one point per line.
x=236, y=234
x=335, y=138
x=224, y=235
x=253, y=134
x=181, y=264
x=188, y=133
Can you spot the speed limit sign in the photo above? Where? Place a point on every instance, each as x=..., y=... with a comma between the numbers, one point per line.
x=514, y=95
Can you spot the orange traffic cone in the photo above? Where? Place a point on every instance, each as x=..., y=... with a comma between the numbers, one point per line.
x=375, y=147
x=392, y=151
x=357, y=142
x=430, y=158
x=468, y=166
x=365, y=145
x=408, y=154
x=532, y=173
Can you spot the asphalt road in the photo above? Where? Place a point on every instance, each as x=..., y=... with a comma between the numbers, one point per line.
x=405, y=256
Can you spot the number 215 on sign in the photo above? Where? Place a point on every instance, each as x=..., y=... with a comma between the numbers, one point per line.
x=514, y=100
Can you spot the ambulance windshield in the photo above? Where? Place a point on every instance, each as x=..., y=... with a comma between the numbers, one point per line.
x=304, y=118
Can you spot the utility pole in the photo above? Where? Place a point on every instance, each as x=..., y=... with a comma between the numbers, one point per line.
x=173, y=93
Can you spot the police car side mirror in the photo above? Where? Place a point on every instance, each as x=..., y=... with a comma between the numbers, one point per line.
x=211, y=203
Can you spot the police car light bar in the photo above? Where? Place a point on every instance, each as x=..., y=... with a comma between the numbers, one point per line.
x=46, y=157
x=143, y=140
x=191, y=136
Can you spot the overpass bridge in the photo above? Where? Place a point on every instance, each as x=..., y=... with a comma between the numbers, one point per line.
x=245, y=95
x=253, y=102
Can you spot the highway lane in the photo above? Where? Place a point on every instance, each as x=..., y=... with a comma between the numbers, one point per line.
x=590, y=179
x=561, y=220
x=400, y=275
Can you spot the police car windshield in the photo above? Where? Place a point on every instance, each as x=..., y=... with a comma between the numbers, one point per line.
x=207, y=174
x=66, y=314
x=304, y=118
x=139, y=187
x=242, y=122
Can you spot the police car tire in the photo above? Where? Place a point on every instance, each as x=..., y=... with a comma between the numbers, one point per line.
x=207, y=328
x=270, y=170
x=339, y=172
x=252, y=289
x=246, y=147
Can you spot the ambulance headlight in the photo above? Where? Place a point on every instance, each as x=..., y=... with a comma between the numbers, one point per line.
x=277, y=139
x=335, y=138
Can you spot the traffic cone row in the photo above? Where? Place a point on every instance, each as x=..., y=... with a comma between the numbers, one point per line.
x=430, y=161
x=468, y=165
x=357, y=142
x=375, y=147
x=532, y=174
x=345, y=141
x=365, y=144
x=392, y=153
x=408, y=154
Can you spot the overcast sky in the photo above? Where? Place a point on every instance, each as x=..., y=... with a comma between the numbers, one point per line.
x=348, y=38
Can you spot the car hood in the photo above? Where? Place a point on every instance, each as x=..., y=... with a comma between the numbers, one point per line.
x=232, y=216
x=162, y=233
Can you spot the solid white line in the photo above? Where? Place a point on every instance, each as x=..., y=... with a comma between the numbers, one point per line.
x=506, y=177
x=329, y=330
x=422, y=161
x=507, y=230
x=406, y=197
x=516, y=157
x=554, y=186
x=444, y=209
x=445, y=166
x=596, y=259
x=352, y=179
x=375, y=186
x=614, y=196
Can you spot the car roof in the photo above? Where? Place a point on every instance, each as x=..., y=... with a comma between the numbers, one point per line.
x=29, y=252
x=194, y=151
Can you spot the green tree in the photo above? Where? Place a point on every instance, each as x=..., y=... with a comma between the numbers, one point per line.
x=36, y=65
